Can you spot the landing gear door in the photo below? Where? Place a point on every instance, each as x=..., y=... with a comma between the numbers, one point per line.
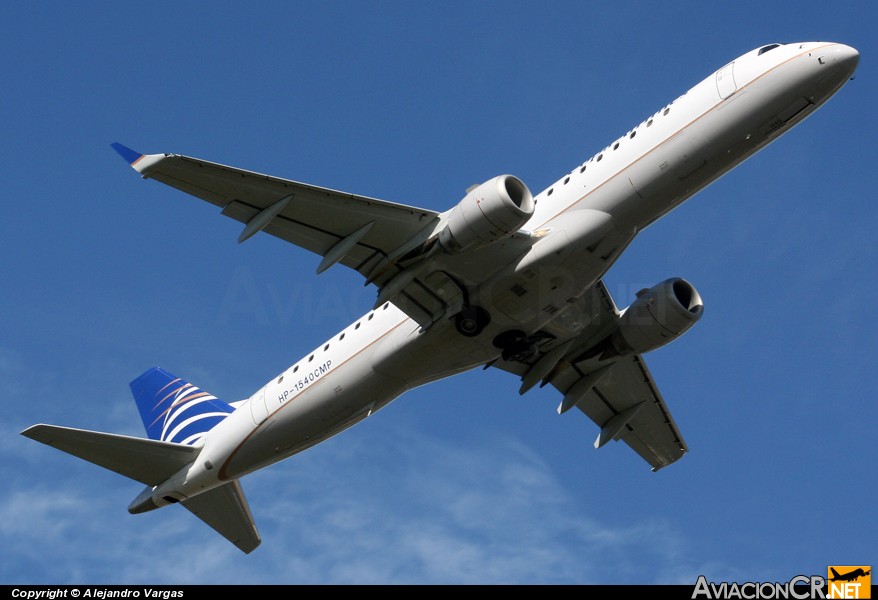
x=725, y=81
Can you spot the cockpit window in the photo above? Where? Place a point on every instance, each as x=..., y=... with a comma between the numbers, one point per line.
x=765, y=49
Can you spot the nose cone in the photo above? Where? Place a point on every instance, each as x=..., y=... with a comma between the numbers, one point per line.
x=834, y=65
x=843, y=59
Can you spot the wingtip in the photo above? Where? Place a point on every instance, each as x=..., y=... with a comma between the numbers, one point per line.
x=130, y=156
x=248, y=546
x=28, y=432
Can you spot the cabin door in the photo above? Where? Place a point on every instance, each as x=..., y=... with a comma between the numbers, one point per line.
x=258, y=408
x=725, y=81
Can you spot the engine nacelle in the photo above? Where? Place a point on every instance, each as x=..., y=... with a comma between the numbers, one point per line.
x=659, y=315
x=489, y=212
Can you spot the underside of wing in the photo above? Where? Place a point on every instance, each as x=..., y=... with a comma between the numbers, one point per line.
x=359, y=232
x=394, y=246
x=626, y=404
x=618, y=393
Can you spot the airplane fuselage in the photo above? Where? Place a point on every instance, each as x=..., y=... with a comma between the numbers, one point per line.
x=580, y=226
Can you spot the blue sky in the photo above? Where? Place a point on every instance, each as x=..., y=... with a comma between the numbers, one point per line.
x=461, y=481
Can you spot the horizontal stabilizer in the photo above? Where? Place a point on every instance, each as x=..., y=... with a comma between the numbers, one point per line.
x=148, y=461
x=226, y=510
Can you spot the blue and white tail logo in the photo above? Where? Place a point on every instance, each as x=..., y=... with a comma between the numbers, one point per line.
x=174, y=410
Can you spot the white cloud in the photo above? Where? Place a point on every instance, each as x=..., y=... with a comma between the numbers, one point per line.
x=40, y=510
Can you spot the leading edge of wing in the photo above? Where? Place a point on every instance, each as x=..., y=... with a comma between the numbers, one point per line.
x=144, y=163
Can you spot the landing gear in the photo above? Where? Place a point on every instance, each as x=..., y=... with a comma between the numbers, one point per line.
x=519, y=347
x=520, y=350
x=471, y=321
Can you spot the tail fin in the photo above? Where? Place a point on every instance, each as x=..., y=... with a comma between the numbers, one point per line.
x=834, y=572
x=174, y=410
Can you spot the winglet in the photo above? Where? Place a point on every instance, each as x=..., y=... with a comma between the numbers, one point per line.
x=127, y=153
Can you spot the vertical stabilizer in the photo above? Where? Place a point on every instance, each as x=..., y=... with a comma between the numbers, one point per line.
x=174, y=410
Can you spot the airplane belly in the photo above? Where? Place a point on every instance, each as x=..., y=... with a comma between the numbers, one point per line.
x=413, y=357
x=579, y=247
x=330, y=405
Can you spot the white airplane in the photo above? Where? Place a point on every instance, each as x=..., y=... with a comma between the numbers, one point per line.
x=503, y=279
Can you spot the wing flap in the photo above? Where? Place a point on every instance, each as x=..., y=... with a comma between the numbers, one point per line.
x=651, y=432
x=308, y=235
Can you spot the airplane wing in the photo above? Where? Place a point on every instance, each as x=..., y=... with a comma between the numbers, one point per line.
x=365, y=234
x=620, y=397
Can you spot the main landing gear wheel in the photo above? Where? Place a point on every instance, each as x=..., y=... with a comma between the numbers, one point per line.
x=471, y=321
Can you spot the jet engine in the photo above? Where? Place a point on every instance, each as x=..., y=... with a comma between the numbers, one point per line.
x=659, y=315
x=489, y=212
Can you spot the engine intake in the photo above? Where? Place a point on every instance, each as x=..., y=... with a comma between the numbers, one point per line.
x=659, y=315
x=489, y=212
